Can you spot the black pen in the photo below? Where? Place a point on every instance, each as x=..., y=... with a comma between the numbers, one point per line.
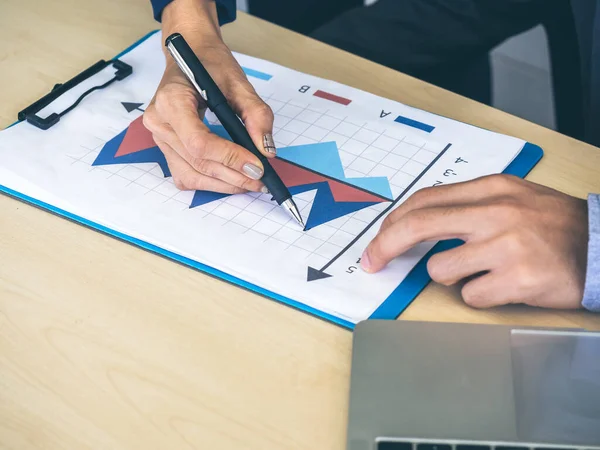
x=191, y=66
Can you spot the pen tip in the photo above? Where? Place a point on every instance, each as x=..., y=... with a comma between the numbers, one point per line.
x=301, y=222
x=291, y=207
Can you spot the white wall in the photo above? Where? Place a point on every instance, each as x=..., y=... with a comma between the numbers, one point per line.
x=521, y=75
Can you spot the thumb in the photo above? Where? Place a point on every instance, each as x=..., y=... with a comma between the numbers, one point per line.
x=258, y=118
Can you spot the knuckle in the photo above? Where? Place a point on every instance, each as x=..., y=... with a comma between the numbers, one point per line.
x=229, y=190
x=498, y=181
x=196, y=143
x=196, y=163
x=164, y=97
x=192, y=181
x=502, y=183
x=179, y=183
x=187, y=180
x=231, y=157
x=149, y=119
x=387, y=222
x=245, y=187
x=419, y=197
x=262, y=110
x=514, y=244
x=472, y=296
x=203, y=166
x=526, y=277
x=247, y=184
x=437, y=270
x=507, y=210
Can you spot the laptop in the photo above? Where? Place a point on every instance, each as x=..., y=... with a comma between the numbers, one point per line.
x=445, y=386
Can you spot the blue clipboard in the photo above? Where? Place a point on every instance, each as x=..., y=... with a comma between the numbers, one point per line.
x=391, y=308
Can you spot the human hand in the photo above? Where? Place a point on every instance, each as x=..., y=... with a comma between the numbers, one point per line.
x=524, y=243
x=197, y=158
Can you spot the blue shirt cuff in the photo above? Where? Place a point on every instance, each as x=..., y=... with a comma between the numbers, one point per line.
x=591, y=293
x=226, y=9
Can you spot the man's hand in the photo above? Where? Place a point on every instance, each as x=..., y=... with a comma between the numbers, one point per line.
x=524, y=243
x=197, y=158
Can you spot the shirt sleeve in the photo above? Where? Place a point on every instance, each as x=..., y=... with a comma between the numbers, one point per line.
x=225, y=9
x=591, y=294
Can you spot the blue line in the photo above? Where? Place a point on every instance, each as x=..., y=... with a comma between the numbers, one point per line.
x=257, y=74
x=414, y=124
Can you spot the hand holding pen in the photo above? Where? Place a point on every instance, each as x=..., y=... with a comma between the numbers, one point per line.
x=202, y=81
x=197, y=158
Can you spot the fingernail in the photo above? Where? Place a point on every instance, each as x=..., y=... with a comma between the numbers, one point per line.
x=365, y=262
x=269, y=144
x=252, y=171
x=264, y=190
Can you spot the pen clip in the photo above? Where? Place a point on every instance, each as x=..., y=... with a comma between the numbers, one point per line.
x=186, y=70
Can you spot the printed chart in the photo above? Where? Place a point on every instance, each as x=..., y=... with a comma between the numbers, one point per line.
x=343, y=173
x=310, y=167
x=317, y=167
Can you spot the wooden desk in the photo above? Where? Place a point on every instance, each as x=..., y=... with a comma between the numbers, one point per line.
x=104, y=346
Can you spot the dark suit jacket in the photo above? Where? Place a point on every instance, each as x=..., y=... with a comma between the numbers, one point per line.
x=577, y=92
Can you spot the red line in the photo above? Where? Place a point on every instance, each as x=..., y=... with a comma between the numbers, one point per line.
x=333, y=98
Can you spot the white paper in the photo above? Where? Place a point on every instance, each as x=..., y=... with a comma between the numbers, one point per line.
x=247, y=235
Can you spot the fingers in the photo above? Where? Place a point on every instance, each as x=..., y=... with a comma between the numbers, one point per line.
x=241, y=175
x=420, y=226
x=258, y=118
x=489, y=290
x=475, y=191
x=241, y=95
x=451, y=266
x=186, y=178
x=176, y=111
x=247, y=181
x=496, y=278
x=175, y=120
x=198, y=144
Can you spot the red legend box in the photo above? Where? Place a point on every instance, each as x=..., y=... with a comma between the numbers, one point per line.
x=333, y=98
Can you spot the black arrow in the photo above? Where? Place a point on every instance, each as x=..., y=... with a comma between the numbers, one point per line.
x=318, y=274
x=314, y=274
x=132, y=106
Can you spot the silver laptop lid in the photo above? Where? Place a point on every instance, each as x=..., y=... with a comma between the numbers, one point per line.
x=465, y=384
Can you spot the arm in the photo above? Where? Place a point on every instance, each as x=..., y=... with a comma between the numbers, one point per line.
x=198, y=159
x=591, y=293
x=225, y=9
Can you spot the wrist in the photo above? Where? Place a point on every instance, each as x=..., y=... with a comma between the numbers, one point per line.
x=196, y=20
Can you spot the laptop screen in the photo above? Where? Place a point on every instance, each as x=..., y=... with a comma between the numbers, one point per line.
x=557, y=386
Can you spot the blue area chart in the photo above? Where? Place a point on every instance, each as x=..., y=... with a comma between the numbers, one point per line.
x=302, y=168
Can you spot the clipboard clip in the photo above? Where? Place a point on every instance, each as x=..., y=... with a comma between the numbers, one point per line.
x=30, y=114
